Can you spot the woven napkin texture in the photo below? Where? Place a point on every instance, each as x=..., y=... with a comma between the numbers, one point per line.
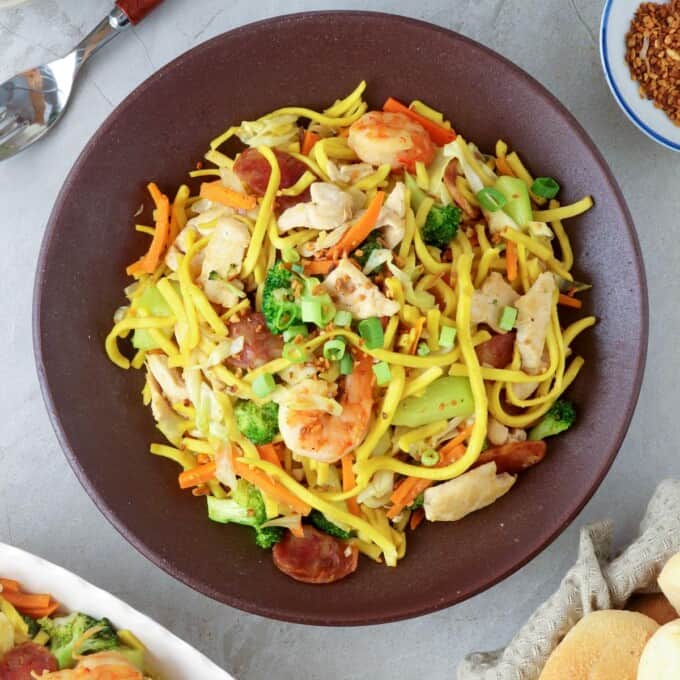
x=595, y=582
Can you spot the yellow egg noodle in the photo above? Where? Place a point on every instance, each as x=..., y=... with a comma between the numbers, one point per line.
x=355, y=307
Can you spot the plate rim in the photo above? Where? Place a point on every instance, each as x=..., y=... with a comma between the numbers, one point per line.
x=614, y=88
x=366, y=618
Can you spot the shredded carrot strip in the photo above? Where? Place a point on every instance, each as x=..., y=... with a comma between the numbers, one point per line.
x=456, y=441
x=403, y=490
x=204, y=473
x=438, y=133
x=361, y=228
x=148, y=263
x=24, y=600
x=417, y=516
x=197, y=475
x=40, y=612
x=503, y=167
x=215, y=191
x=418, y=328
x=269, y=452
x=406, y=493
x=511, y=260
x=271, y=488
x=319, y=267
x=348, y=483
x=411, y=487
x=308, y=142
x=9, y=585
x=568, y=301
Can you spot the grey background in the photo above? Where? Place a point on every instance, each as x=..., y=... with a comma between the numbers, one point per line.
x=43, y=508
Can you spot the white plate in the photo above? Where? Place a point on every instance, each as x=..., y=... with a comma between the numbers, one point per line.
x=169, y=657
x=616, y=18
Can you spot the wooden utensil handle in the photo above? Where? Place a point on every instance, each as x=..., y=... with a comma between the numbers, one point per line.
x=136, y=10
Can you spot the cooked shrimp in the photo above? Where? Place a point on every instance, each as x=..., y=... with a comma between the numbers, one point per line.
x=101, y=666
x=324, y=436
x=379, y=138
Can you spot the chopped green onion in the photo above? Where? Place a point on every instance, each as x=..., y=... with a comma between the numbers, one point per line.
x=292, y=332
x=382, y=373
x=334, y=349
x=508, y=318
x=290, y=255
x=327, y=309
x=317, y=309
x=423, y=349
x=294, y=353
x=491, y=199
x=263, y=385
x=286, y=314
x=213, y=276
x=429, y=458
x=346, y=364
x=343, y=318
x=297, y=268
x=371, y=331
x=311, y=311
x=545, y=187
x=447, y=336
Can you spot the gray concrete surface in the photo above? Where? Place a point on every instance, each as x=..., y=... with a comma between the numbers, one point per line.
x=42, y=506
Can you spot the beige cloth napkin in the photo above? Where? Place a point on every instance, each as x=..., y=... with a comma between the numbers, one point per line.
x=595, y=582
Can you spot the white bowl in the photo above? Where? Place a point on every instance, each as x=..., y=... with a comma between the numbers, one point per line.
x=168, y=656
x=616, y=18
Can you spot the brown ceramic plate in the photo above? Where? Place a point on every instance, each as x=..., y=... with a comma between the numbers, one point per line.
x=158, y=133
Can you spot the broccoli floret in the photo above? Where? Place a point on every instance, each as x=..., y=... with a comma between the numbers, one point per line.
x=319, y=520
x=559, y=418
x=441, y=225
x=249, y=497
x=366, y=247
x=66, y=631
x=33, y=625
x=245, y=507
x=280, y=305
x=259, y=423
x=267, y=537
x=418, y=502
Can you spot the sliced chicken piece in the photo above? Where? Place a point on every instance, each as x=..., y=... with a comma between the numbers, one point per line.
x=348, y=173
x=222, y=260
x=498, y=434
x=472, y=491
x=392, y=217
x=169, y=379
x=329, y=208
x=524, y=390
x=353, y=291
x=533, y=319
x=169, y=423
x=489, y=300
x=202, y=224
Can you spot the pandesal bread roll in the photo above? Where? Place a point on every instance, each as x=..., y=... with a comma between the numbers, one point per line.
x=669, y=581
x=660, y=658
x=604, y=645
x=654, y=605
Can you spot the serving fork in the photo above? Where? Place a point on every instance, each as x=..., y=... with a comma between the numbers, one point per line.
x=33, y=101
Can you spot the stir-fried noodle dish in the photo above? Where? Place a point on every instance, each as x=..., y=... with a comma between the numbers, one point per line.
x=356, y=322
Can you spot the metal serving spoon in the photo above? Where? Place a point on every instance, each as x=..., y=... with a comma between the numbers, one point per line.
x=33, y=101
